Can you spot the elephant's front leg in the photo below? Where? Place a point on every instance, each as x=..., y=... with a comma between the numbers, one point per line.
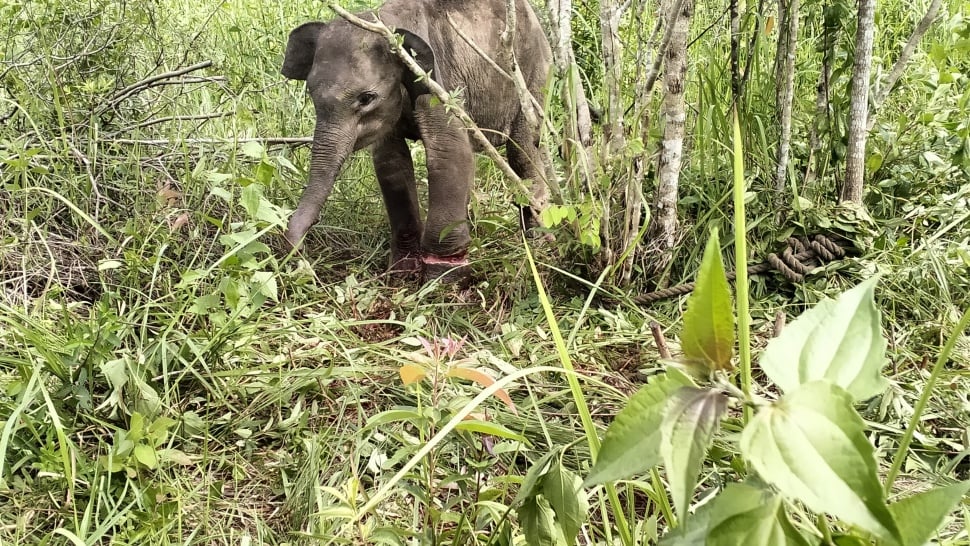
x=395, y=174
x=451, y=171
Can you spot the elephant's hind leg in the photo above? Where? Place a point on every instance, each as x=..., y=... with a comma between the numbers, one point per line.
x=395, y=174
x=525, y=158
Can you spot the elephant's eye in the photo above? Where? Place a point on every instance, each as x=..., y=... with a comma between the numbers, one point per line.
x=366, y=98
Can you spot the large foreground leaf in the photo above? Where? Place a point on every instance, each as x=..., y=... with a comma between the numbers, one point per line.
x=811, y=445
x=687, y=430
x=708, y=335
x=632, y=442
x=538, y=522
x=837, y=340
x=919, y=516
x=741, y=514
x=565, y=494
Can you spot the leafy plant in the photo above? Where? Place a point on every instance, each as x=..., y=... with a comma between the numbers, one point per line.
x=807, y=446
x=142, y=446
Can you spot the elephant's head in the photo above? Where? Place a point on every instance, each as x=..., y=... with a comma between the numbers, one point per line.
x=360, y=90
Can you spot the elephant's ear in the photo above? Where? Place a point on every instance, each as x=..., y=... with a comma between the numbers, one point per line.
x=300, y=49
x=424, y=55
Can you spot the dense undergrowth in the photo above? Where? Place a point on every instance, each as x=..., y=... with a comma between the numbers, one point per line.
x=169, y=375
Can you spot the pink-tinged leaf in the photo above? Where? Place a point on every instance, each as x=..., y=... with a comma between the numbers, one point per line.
x=691, y=418
x=485, y=381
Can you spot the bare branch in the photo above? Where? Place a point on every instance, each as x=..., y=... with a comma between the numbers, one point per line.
x=900, y=65
x=661, y=52
x=147, y=82
x=208, y=141
x=166, y=119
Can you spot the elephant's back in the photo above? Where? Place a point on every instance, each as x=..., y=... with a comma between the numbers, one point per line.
x=489, y=97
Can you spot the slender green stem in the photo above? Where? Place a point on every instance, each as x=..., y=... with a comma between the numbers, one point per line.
x=663, y=499
x=741, y=265
x=927, y=389
x=626, y=536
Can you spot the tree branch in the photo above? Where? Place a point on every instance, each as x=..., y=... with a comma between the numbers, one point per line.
x=147, y=82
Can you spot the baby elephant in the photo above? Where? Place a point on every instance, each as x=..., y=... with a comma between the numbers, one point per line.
x=364, y=96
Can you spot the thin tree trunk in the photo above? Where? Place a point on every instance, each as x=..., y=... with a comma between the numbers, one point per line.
x=821, y=114
x=560, y=13
x=633, y=193
x=614, y=139
x=829, y=31
x=664, y=221
x=855, y=164
x=900, y=66
x=785, y=80
x=612, y=78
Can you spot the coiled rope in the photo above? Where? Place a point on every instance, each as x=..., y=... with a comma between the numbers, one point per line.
x=800, y=257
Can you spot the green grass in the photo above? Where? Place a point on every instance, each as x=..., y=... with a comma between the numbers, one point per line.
x=149, y=280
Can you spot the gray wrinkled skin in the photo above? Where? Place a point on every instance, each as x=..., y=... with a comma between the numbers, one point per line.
x=364, y=96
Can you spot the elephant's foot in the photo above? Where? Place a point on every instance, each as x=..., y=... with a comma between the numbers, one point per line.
x=405, y=264
x=532, y=225
x=405, y=260
x=447, y=269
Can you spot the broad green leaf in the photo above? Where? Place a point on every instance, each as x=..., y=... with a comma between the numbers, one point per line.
x=265, y=283
x=136, y=427
x=157, y=432
x=744, y=514
x=740, y=514
x=566, y=496
x=252, y=149
x=145, y=454
x=811, y=445
x=708, y=335
x=632, y=442
x=837, y=340
x=111, y=464
x=920, y=515
x=116, y=372
x=105, y=265
x=252, y=196
x=687, y=429
x=390, y=416
x=531, y=483
x=538, y=523
x=174, y=456
x=493, y=429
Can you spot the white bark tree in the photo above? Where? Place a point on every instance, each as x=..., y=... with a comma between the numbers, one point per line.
x=855, y=164
x=664, y=221
x=785, y=94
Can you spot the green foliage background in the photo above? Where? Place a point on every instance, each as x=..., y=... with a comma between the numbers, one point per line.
x=168, y=376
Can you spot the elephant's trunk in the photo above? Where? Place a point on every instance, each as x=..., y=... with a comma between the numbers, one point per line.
x=331, y=146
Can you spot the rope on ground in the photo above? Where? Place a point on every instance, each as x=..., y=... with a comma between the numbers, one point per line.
x=800, y=257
